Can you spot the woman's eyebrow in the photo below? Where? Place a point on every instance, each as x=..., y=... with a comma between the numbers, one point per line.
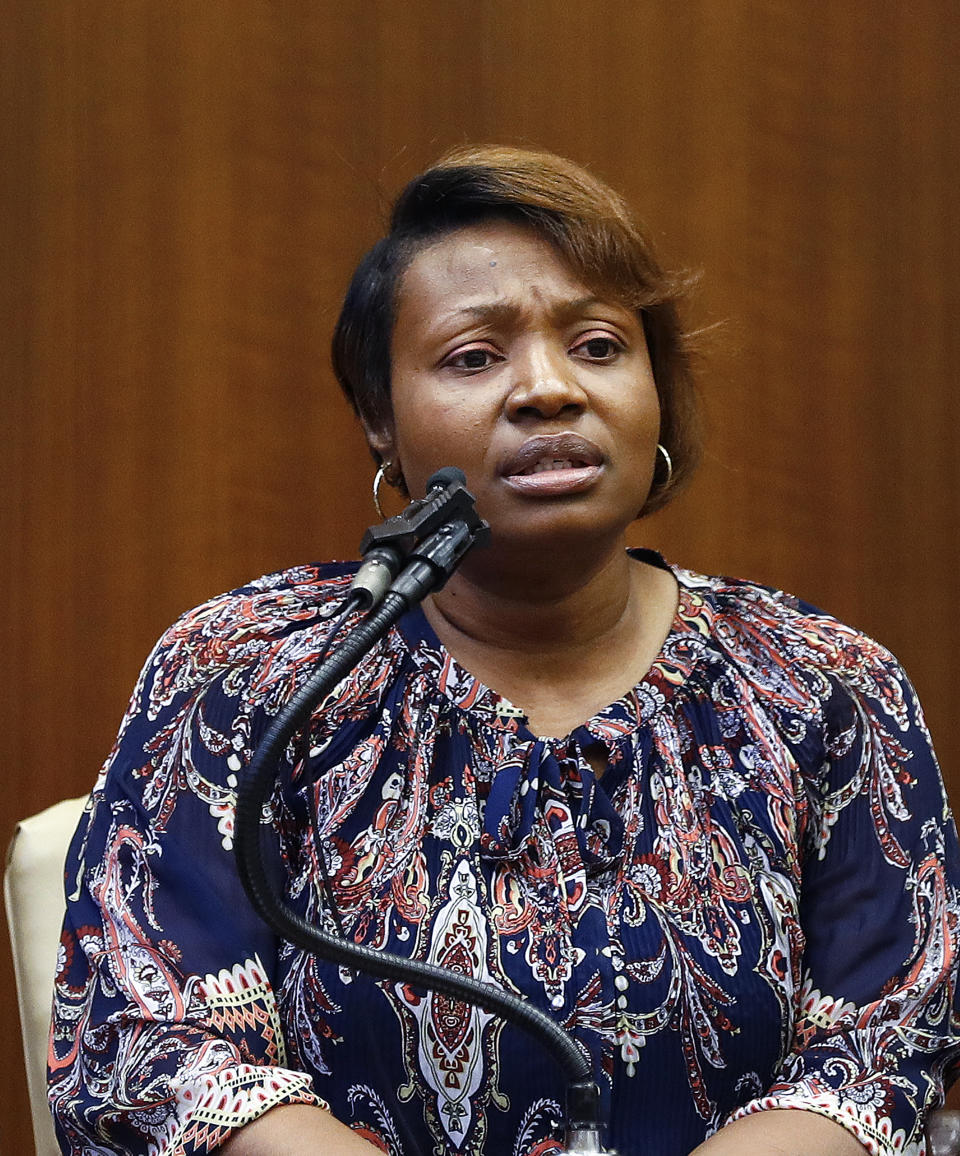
x=504, y=311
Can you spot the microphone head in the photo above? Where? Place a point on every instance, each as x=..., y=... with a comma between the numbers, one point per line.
x=446, y=476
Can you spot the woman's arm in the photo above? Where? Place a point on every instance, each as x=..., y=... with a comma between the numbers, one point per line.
x=781, y=1133
x=305, y=1130
x=166, y=1032
x=875, y=1030
x=297, y=1130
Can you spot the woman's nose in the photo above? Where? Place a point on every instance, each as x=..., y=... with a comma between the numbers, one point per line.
x=545, y=386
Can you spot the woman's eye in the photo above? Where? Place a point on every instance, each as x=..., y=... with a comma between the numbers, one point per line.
x=598, y=348
x=471, y=359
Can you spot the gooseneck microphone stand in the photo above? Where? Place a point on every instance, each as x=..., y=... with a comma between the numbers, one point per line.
x=404, y=560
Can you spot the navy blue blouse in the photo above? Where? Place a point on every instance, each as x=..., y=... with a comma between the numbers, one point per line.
x=754, y=906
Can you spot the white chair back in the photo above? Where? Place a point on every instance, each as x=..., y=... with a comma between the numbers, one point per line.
x=33, y=890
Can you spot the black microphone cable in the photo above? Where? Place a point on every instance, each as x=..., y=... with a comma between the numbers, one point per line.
x=383, y=551
x=429, y=563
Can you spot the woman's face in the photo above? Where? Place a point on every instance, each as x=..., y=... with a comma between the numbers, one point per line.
x=538, y=388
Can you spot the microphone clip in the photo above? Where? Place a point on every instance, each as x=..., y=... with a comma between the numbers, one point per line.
x=385, y=547
x=447, y=500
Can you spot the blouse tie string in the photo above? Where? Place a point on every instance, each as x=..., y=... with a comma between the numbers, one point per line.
x=535, y=796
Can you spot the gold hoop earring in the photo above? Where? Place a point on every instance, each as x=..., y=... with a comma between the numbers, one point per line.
x=661, y=449
x=377, y=483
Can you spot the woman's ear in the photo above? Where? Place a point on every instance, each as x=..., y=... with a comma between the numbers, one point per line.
x=381, y=441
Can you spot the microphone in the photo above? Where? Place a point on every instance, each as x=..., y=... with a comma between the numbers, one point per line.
x=381, y=564
x=385, y=547
x=445, y=476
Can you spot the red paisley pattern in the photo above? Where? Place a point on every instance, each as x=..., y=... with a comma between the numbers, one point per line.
x=754, y=906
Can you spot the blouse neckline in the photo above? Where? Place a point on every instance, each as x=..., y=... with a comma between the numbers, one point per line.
x=682, y=650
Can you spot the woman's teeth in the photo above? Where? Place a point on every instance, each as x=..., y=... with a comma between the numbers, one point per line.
x=545, y=464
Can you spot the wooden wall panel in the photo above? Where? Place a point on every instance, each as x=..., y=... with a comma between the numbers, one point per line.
x=186, y=186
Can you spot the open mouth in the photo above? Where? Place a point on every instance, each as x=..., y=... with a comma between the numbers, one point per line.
x=549, y=464
x=554, y=466
x=553, y=453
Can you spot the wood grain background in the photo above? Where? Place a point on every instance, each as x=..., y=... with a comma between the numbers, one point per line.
x=186, y=186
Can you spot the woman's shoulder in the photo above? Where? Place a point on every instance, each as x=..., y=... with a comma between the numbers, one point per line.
x=742, y=602
x=764, y=628
x=269, y=606
x=832, y=669
x=223, y=666
x=260, y=626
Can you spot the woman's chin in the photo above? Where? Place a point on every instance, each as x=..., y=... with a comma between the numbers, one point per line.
x=567, y=533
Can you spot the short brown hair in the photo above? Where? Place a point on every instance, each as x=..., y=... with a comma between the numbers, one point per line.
x=593, y=230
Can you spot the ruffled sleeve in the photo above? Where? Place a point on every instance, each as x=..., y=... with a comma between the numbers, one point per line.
x=166, y=1035
x=877, y=1027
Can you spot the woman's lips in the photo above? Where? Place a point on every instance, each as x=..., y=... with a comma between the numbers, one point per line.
x=570, y=480
x=550, y=464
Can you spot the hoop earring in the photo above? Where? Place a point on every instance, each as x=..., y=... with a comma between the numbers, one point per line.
x=661, y=449
x=377, y=483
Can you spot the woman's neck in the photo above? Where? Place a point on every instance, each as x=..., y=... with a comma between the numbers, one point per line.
x=561, y=657
x=555, y=609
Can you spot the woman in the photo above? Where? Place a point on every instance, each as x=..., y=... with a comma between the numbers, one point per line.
x=696, y=820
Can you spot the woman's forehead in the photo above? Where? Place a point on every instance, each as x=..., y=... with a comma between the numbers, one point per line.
x=485, y=251
x=490, y=269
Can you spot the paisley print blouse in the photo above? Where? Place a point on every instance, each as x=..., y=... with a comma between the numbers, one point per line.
x=754, y=906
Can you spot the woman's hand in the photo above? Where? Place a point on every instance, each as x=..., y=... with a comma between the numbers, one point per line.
x=783, y=1132
x=297, y=1130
